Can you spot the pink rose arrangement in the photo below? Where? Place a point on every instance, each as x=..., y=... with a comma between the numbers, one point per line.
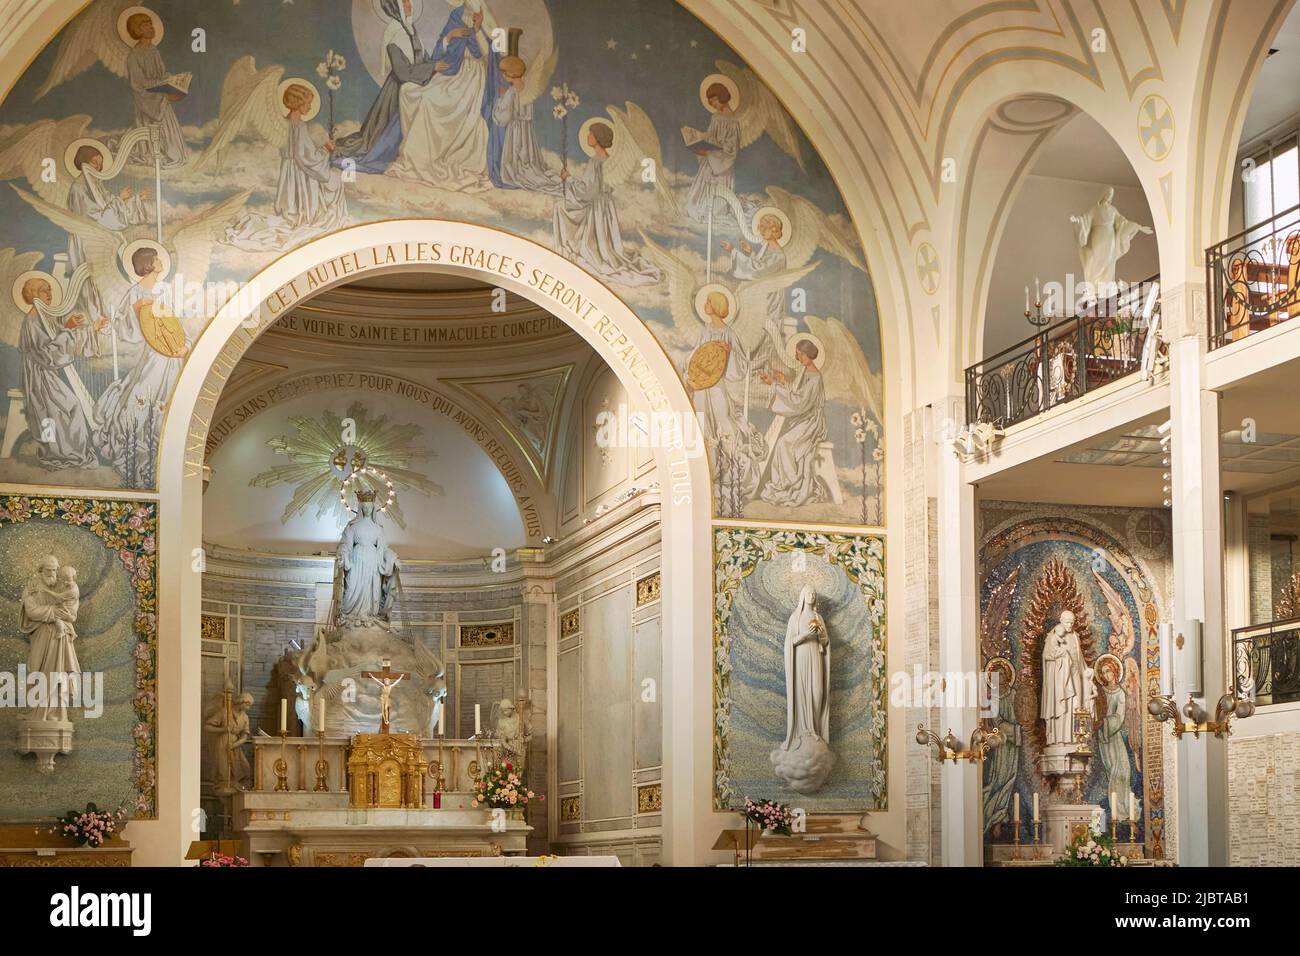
x=769, y=815
x=90, y=827
x=502, y=787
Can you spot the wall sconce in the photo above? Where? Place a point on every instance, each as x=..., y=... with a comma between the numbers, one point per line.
x=1230, y=705
x=949, y=747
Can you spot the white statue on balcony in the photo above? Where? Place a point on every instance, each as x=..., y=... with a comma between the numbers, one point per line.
x=1104, y=236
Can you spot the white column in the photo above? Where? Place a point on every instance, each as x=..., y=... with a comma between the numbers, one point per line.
x=1198, y=599
x=960, y=788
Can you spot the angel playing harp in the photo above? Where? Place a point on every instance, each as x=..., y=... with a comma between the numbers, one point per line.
x=309, y=196
x=85, y=192
x=49, y=334
x=522, y=166
x=148, y=339
x=586, y=226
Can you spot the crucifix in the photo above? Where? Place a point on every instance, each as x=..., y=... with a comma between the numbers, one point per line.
x=387, y=679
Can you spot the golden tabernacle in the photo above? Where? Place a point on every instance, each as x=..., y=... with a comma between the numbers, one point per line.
x=387, y=770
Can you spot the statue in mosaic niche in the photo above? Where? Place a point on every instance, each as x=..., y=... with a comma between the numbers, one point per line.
x=47, y=614
x=1066, y=683
x=804, y=759
x=1104, y=236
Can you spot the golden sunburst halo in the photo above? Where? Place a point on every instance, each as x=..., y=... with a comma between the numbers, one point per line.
x=331, y=448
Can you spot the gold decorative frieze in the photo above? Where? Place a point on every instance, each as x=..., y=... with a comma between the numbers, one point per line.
x=570, y=809
x=650, y=798
x=212, y=627
x=487, y=635
x=647, y=589
x=570, y=623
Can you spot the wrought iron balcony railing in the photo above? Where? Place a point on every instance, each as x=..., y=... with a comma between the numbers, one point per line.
x=1266, y=661
x=1253, y=279
x=1104, y=342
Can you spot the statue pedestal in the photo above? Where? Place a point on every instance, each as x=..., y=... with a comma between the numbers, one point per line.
x=1062, y=822
x=46, y=739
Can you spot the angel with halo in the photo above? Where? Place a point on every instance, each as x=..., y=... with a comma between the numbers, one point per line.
x=742, y=110
x=310, y=195
x=586, y=226
x=522, y=166
x=124, y=38
x=725, y=359
x=147, y=337
x=1120, y=686
x=825, y=365
x=90, y=165
x=49, y=335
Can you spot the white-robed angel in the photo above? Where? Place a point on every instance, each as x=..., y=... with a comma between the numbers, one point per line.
x=310, y=195
x=49, y=336
x=90, y=166
x=706, y=313
x=124, y=38
x=586, y=223
x=742, y=110
x=148, y=331
x=522, y=165
x=1120, y=643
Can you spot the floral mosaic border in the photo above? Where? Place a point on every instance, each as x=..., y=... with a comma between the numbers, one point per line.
x=736, y=553
x=129, y=528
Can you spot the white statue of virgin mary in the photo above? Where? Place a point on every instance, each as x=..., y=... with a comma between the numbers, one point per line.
x=367, y=569
x=805, y=759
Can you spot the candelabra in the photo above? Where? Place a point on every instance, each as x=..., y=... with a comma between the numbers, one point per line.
x=950, y=748
x=281, y=765
x=322, y=765
x=1230, y=705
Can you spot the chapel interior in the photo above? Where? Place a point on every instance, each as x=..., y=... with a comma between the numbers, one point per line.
x=437, y=432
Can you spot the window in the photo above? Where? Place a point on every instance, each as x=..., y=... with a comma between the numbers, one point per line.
x=1273, y=186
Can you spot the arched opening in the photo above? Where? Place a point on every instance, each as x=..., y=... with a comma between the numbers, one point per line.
x=618, y=337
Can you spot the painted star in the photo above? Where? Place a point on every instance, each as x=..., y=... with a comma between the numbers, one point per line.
x=695, y=43
x=611, y=44
x=634, y=56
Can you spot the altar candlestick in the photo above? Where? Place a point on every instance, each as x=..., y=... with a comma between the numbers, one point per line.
x=478, y=726
x=1132, y=807
x=1035, y=808
x=1015, y=807
x=321, y=718
x=442, y=720
x=284, y=716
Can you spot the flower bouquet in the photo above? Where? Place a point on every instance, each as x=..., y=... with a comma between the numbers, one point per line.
x=769, y=815
x=90, y=827
x=223, y=860
x=502, y=787
x=1092, y=849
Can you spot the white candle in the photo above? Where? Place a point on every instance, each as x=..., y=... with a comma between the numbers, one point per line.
x=1015, y=807
x=284, y=716
x=1132, y=807
x=1038, y=295
x=1114, y=805
x=321, y=718
x=1035, y=808
x=442, y=720
x=1026, y=298
x=478, y=726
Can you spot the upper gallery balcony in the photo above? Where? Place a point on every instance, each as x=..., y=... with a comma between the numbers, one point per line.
x=1103, y=342
x=1253, y=279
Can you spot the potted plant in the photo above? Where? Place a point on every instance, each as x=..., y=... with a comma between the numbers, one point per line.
x=91, y=827
x=503, y=787
x=769, y=815
x=1092, y=849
